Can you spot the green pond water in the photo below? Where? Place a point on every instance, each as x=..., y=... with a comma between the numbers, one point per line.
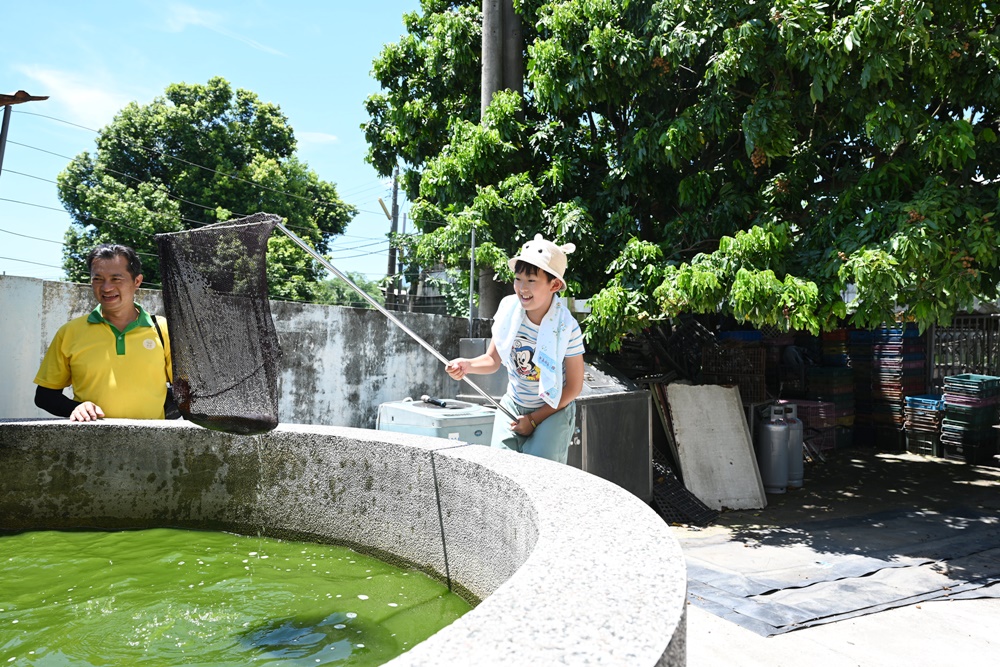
x=176, y=597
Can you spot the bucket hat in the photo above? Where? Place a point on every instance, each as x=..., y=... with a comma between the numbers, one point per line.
x=544, y=254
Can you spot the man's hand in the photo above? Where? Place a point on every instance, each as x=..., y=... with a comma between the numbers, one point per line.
x=86, y=412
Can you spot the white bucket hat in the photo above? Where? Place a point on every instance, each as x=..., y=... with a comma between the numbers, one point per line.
x=546, y=255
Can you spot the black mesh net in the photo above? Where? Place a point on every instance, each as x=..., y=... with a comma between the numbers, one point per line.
x=223, y=341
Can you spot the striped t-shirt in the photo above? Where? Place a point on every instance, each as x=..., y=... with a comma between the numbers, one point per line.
x=522, y=370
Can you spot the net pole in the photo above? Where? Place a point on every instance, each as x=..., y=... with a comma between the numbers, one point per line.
x=392, y=318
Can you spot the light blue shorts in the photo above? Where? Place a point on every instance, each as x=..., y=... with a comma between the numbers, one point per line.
x=549, y=441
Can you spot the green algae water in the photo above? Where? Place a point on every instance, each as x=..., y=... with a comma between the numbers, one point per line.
x=178, y=597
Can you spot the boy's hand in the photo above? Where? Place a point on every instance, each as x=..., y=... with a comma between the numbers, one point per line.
x=522, y=426
x=457, y=368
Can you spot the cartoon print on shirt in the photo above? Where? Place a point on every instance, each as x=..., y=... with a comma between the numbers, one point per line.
x=522, y=355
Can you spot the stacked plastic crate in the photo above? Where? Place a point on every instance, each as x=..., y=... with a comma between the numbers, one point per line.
x=740, y=361
x=923, y=424
x=834, y=384
x=898, y=370
x=859, y=353
x=970, y=411
x=819, y=423
x=834, y=346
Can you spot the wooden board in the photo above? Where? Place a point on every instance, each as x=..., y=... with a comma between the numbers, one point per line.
x=714, y=447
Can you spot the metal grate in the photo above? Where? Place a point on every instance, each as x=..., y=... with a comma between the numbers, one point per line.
x=675, y=503
x=970, y=345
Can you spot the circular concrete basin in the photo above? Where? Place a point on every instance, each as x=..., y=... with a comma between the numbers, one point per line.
x=566, y=568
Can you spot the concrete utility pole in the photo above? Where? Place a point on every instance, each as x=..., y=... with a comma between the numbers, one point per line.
x=513, y=51
x=492, y=76
x=503, y=69
x=7, y=101
x=391, y=304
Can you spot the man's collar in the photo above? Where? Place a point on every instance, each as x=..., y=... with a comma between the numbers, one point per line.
x=144, y=319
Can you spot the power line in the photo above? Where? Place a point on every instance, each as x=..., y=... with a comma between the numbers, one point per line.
x=160, y=154
x=34, y=238
x=145, y=233
x=209, y=169
x=163, y=188
x=25, y=261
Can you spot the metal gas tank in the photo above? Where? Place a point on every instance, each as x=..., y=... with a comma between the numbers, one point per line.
x=772, y=451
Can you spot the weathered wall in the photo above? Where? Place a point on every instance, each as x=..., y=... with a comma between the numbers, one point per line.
x=338, y=364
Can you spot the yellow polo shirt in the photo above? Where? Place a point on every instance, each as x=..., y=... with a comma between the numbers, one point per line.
x=124, y=372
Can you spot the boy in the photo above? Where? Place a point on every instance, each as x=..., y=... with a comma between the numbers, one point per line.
x=540, y=344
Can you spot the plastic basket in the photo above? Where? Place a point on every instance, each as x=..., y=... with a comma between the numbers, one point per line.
x=926, y=401
x=973, y=382
x=926, y=444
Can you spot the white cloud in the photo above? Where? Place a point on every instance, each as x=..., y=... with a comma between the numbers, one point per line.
x=179, y=17
x=314, y=138
x=81, y=99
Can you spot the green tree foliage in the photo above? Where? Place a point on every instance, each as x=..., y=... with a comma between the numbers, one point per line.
x=762, y=160
x=200, y=154
x=336, y=292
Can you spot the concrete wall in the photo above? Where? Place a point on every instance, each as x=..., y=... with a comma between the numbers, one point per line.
x=338, y=364
x=570, y=569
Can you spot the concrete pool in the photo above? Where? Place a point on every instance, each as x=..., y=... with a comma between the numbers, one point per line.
x=566, y=568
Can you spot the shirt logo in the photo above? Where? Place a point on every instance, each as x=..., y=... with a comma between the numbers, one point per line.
x=149, y=344
x=521, y=354
x=545, y=361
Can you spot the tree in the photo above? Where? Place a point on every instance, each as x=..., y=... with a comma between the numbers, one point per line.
x=757, y=160
x=336, y=292
x=200, y=154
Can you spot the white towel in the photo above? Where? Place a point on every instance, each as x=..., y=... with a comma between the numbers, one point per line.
x=554, y=335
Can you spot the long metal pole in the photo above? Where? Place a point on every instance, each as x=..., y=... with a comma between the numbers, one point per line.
x=3, y=133
x=472, y=274
x=375, y=304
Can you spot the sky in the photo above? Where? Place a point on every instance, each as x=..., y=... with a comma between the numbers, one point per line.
x=311, y=58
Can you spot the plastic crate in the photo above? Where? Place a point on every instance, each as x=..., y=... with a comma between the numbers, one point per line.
x=753, y=388
x=973, y=383
x=926, y=401
x=741, y=336
x=822, y=439
x=924, y=443
x=889, y=439
x=814, y=414
x=734, y=360
x=971, y=453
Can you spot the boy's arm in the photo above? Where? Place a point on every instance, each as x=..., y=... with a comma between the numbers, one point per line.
x=484, y=364
x=571, y=389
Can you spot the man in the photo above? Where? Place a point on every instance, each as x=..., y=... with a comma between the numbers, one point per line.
x=117, y=358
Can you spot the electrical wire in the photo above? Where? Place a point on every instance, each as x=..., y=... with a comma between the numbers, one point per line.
x=162, y=187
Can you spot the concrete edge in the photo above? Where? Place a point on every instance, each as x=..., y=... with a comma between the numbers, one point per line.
x=571, y=569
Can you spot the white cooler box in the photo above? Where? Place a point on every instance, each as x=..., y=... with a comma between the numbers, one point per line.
x=462, y=421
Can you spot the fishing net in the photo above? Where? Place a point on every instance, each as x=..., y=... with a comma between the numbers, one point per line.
x=223, y=341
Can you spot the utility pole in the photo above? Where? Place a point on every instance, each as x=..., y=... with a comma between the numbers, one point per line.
x=492, y=75
x=7, y=101
x=391, y=304
x=513, y=51
x=503, y=68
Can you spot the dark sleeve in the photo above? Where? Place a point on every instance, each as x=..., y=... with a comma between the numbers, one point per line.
x=54, y=401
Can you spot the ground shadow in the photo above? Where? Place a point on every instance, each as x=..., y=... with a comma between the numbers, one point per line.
x=867, y=532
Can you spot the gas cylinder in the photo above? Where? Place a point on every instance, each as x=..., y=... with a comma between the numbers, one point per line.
x=772, y=451
x=795, y=456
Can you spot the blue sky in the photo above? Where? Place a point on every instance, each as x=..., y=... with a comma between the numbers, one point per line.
x=313, y=59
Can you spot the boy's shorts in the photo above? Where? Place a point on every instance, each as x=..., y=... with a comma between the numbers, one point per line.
x=550, y=440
